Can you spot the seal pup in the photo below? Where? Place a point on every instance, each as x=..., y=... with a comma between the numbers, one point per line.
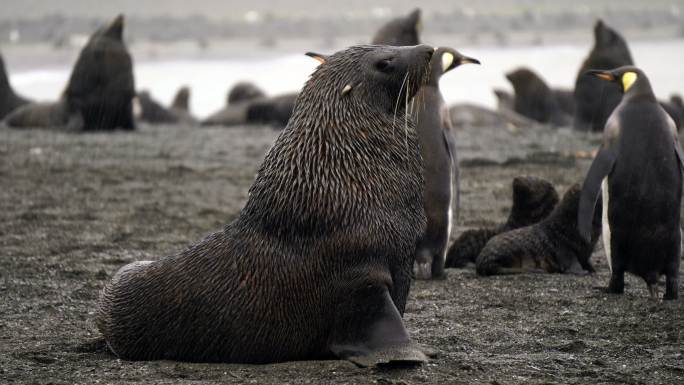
x=235, y=110
x=9, y=100
x=534, y=98
x=553, y=245
x=438, y=147
x=318, y=263
x=275, y=111
x=638, y=169
x=504, y=99
x=99, y=95
x=244, y=91
x=153, y=112
x=533, y=200
x=594, y=99
x=401, y=31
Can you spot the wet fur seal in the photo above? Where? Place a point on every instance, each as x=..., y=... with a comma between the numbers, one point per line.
x=275, y=111
x=153, y=112
x=553, y=245
x=401, y=31
x=99, y=95
x=438, y=147
x=244, y=91
x=237, y=101
x=638, y=170
x=9, y=100
x=471, y=115
x=534, y=99
x=318, y=263
x=533, y=200
x=594, y=99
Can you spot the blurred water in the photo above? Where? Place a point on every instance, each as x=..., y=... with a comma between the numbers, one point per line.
x=210, y=79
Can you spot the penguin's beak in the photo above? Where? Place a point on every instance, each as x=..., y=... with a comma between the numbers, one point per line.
x=603, y=75
x=467, y=60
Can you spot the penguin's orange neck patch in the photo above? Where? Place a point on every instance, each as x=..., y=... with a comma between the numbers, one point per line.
x=605, y=76
x=628, y=79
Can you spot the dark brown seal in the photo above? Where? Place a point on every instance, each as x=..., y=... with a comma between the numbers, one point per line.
x=244, y=91
x=9, y=100
x=535, y=99
x=533, y=200
x=595, y=100
x=235, y=110
x=319, y=261
x=154, y=112
x=553, y=245
x=99, y=95
x=400, y=31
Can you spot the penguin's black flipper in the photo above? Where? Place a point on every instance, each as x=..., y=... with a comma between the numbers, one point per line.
x=456, y=180
x=600, y=168
x=680, y=154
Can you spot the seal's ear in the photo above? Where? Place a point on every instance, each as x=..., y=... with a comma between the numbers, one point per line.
x=346, y=89
x=317, y=56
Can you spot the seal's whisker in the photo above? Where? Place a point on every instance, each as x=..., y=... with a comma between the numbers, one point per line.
x=396, y=106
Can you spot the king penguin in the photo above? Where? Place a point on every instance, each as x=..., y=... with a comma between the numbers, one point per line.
x=638, y=169
x=435, y=135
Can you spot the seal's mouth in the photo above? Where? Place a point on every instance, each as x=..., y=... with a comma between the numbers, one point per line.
x=417, y=72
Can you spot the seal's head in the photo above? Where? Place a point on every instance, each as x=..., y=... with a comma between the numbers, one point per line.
x=525, y=80
x=101, y=87
x=610, y=48
x=401, y=31
x=244, y=91
x=380, y=78
x=533, y=200
x=182, y=99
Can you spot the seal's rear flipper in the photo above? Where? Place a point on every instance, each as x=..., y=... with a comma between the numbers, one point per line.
x=368, y=331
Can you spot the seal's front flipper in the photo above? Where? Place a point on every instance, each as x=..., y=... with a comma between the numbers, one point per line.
x=600, y=168
x=368, y=331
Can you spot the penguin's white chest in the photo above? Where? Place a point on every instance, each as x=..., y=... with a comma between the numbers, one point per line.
x=605, y=225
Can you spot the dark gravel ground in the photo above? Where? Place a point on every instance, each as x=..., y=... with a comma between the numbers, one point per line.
x=76, y=207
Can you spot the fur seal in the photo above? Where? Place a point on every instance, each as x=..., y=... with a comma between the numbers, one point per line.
x=9, y=100
x=504, y=99
x=235, y=111
x=471, y=115
x=594, y=99
x=401, y=31
x=553, y=245
x=438, y=147
x=99, y=95
x=533, y=200
x=275, y=111
x=244, y=91
x=319, y=261
x=153, y=112
x=534, y=98
x=638, y=168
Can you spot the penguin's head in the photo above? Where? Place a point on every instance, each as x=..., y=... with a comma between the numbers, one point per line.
x=445, y=59
x=627, y=76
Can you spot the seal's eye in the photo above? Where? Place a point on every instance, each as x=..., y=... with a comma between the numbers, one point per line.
x=384, y=65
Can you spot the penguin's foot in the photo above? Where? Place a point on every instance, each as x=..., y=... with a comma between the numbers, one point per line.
x=422, y=270
x=653, y=290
